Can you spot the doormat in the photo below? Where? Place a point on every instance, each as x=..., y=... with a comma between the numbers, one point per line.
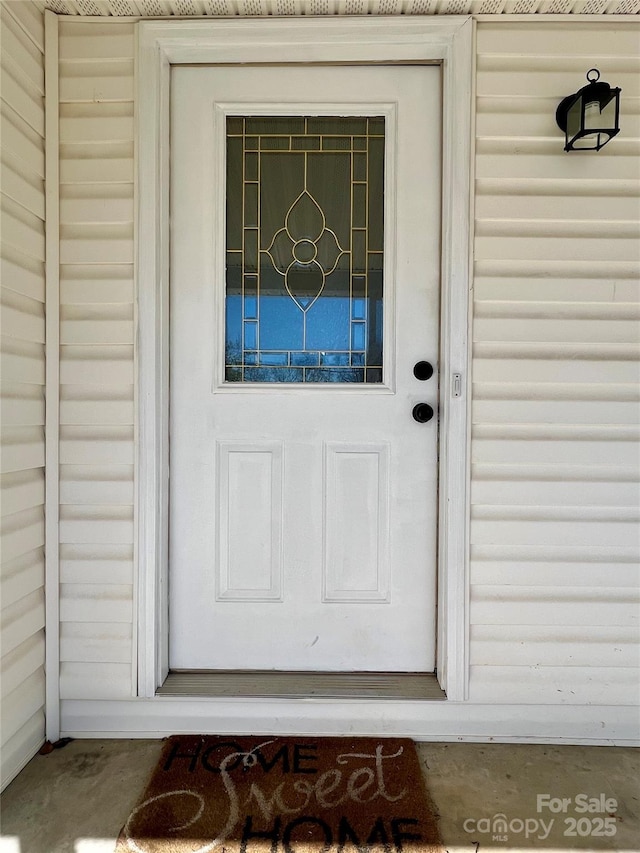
x=283, y=795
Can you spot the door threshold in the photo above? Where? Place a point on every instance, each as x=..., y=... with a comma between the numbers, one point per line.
x=422, y=686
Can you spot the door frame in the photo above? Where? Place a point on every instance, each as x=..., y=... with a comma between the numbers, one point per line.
x=446, y=41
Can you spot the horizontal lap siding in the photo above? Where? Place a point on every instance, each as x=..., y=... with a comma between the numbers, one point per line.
x=22, y=368
x=555, y=458
x=97, y=359
x=553, y=606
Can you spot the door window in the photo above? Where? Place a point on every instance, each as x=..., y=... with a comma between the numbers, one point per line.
x=304, y=249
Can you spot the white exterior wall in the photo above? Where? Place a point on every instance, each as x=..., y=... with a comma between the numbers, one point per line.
x=96, y=359
x=554, y=548
x=555, y=500
x=22, y=368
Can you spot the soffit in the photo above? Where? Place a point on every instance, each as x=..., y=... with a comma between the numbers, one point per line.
x=253, y=8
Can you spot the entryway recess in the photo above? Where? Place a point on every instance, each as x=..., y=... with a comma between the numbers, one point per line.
x=276, y=425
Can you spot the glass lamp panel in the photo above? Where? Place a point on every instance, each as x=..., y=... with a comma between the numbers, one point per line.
x=587, y=142
x=592, y=115
x=305, y=237
x=608, y=115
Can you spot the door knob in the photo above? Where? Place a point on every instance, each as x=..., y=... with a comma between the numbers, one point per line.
x=423, y=370
x=422, y=412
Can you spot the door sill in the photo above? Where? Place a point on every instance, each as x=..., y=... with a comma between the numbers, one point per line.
x=303, y=685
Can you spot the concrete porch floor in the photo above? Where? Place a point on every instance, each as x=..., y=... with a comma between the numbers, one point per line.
x=76, y=799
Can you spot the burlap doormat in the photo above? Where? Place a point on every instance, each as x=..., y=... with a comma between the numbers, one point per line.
x=283, y=795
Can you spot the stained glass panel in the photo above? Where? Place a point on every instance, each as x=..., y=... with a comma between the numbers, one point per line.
x=305, y=231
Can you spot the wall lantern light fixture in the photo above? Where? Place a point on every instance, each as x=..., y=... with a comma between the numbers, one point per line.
x=590, y=118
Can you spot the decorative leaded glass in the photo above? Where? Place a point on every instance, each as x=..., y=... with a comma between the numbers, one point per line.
x=305, y=236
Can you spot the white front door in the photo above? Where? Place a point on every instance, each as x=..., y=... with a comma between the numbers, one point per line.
x=305, y=242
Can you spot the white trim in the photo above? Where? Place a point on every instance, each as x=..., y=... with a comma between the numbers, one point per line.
x=52, y=405
x=446, y=40
x=389, y=111
x=455, y=357
x=135, y=635
x=152, y=266
x=536, y=18
x=596, y=18
x=605, y=725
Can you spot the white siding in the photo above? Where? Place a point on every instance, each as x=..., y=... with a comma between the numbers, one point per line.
x=555, y=498
x=97, y=359
x=22, y=365
x=555, y=457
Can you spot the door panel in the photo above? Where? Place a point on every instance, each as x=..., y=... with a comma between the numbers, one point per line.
x=303, y=493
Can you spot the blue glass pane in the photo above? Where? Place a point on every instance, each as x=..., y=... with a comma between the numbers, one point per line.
x=233, y=322
x=357, y=336
x=334, y=374
x=277, y=359
x=358, y=309
x=357, y=359
x=281, y=323
x=328, y=324
x=251, y=358
x=305, y=359
x=250, y=335
x=273, y=374
x=334, y=359
x=250, y=308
